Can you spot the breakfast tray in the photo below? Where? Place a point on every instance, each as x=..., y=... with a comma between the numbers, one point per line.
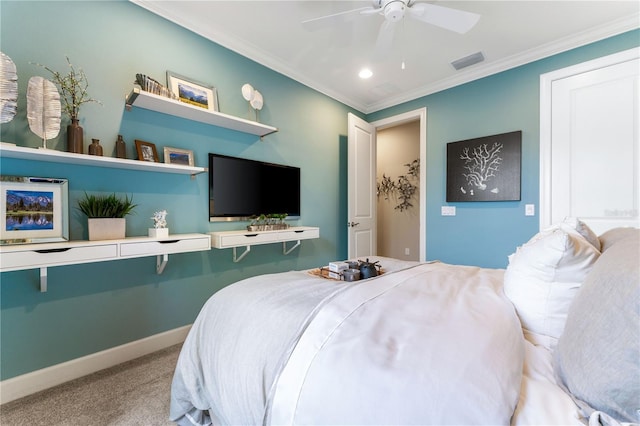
x=323, y=272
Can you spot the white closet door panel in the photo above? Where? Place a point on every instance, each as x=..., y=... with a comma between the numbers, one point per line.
x=594, y=150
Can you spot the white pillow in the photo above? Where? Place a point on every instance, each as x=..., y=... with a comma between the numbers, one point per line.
x=542, y=278
x=574, y=225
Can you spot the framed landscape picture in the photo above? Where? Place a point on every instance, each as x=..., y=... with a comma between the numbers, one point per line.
x=485, y=169
x=193, y=92
x=182, y=157
x=33, y=210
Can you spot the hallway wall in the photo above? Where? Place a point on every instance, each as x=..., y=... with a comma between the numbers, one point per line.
x=398, y=231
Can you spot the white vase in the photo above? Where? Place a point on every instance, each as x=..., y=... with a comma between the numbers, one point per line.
x=158, y=232
x=107, y=228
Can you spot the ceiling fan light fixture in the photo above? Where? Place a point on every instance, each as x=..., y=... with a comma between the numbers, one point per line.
x=365, y=73
x=394, y=10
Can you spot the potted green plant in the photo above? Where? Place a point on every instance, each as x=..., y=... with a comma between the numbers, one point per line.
x=268, y=222
x=106, y=215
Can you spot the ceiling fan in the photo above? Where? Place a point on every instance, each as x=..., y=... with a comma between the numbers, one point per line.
x=394, y=11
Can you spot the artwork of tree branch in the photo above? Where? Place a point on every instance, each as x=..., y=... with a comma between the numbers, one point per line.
x=403, y=188
x=485, y=169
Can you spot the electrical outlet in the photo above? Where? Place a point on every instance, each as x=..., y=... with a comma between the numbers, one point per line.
x=529, y=209
x=448, y=210
x=407, y=252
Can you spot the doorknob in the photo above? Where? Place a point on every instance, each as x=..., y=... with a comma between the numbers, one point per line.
x=352, y=224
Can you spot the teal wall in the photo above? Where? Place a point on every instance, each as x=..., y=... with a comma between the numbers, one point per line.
x=485, y=233
x=93, y=307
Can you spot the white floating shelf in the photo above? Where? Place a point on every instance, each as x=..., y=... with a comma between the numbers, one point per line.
x=140, y=98
x=42, y=256
x=54, y=156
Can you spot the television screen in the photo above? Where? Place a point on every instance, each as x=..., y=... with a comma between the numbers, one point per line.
x=241, y=188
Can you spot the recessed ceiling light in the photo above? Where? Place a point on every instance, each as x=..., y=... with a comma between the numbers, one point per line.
x=365, y=73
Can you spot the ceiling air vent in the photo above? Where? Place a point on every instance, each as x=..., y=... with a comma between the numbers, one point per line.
x=474, y=58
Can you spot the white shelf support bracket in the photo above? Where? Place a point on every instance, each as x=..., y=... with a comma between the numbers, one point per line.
x=293, y=247
x=161, y=262
x=43, y=280
x=237, y=259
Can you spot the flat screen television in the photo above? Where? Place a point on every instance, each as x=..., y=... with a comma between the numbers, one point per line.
x=240, y=188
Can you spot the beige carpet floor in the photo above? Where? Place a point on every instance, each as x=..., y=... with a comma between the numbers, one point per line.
x=132, y=393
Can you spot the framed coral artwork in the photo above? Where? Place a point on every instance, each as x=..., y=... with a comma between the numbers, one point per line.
x=485, y=168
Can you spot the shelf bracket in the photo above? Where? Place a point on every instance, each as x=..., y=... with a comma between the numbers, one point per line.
x=237, y=259
x=293, y=247
x=161, y=262
x=43, y=280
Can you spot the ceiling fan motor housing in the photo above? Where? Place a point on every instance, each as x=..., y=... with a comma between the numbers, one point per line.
x=394, y=10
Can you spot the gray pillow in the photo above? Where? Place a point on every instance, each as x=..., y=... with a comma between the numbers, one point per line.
x=597, y=358
x=610, y=237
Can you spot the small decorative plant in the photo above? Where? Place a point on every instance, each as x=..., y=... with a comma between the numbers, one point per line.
x=268, y=222
x=73, y=89
x=106, y=206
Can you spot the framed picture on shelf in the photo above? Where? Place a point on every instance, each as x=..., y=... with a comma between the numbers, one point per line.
x=34, y=210
x=485, y=168
x=147, y=151
x=182, y=157
x=193, y=92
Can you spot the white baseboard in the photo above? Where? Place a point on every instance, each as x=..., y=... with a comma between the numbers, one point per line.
x=26, y=384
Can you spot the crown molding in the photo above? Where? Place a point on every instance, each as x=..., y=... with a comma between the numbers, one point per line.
x=467, y=75
x=540, y=52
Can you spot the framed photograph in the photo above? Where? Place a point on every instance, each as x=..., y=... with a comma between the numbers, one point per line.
x=146, y=151
x=182, y=157
x=33, y=210
x=485, y=169
x=193, y=92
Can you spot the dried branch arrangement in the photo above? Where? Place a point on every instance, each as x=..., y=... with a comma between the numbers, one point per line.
x=402, y=188
x=73, y=89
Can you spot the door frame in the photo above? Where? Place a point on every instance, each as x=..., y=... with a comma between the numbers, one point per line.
x=546, y=98
x=396, y=120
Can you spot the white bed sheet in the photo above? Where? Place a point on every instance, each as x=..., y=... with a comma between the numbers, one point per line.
x=216, y=376
x=542, y=401
x=204, y=366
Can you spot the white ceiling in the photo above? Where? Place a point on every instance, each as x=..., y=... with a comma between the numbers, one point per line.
x=509, y=33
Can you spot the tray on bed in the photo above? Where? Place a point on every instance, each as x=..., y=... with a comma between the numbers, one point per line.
x=323, y=272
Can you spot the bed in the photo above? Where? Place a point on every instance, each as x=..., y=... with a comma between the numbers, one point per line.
x=426, y=343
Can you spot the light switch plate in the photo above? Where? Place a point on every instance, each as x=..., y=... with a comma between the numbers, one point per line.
x=529, y=209
x=448, y=210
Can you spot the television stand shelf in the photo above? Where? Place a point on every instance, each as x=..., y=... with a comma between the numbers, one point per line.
x=42, y=256
x=246, y=239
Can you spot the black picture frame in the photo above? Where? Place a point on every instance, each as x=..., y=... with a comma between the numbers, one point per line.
x=485, y=169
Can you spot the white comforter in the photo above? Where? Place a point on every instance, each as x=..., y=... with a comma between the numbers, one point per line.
x=429, y=344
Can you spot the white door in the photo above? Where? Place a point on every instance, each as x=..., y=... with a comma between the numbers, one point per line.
x=361, y=191
x=590, y=163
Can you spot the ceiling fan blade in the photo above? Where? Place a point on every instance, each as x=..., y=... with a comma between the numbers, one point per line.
x=371, y=11
x=456, y=20
x=327, y=21
x=384, y=41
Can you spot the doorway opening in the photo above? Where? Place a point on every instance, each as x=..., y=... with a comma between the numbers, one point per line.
x=419, y=208
x=397, y=182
